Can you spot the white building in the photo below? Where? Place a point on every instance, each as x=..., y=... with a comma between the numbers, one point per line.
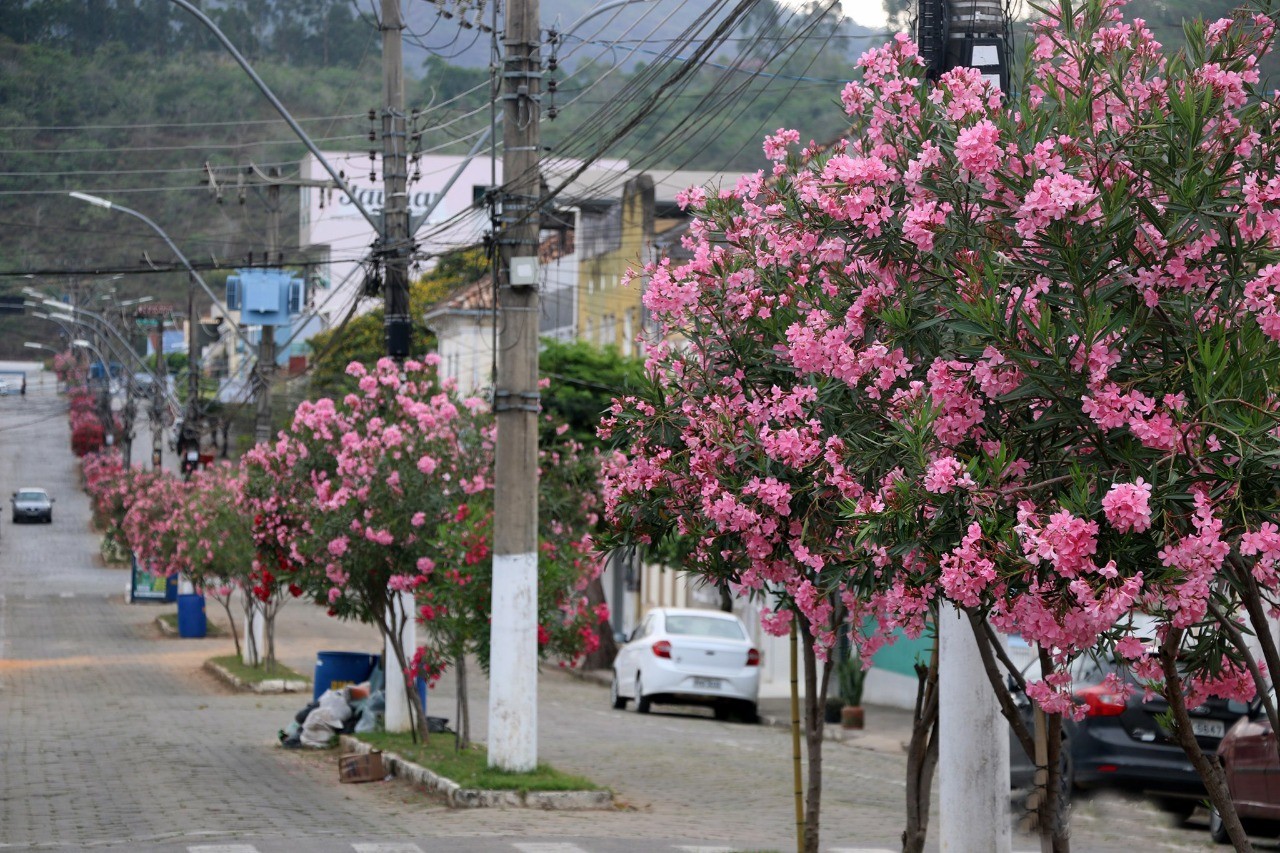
x=334, y=232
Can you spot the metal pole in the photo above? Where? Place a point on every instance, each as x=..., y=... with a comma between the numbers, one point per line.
x=973, y=746
x=513, y=692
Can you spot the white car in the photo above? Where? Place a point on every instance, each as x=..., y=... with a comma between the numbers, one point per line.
x=688, y=657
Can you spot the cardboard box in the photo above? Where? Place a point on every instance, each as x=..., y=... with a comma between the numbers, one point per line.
x=361, y=767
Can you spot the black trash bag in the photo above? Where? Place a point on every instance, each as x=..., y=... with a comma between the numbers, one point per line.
x=301, y=716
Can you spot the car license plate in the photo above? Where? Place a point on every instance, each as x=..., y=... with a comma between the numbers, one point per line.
x=706, y=683
x=1208, y=728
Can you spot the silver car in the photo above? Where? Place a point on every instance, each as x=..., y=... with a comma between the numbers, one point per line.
x=32, y=504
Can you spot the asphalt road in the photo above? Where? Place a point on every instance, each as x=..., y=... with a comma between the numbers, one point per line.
x=112, y=736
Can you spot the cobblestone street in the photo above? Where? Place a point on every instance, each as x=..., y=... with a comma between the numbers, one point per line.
x=112, y=736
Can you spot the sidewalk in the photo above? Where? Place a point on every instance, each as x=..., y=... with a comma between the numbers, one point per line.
x=887, y=730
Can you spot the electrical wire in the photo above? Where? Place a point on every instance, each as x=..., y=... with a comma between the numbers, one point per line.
x=79, y=128
x=731, y=106
x=614, y=125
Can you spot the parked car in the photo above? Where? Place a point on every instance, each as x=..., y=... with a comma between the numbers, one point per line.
x=689, y=657
x=1123, y=743
x=31, y=504
x=1252, y=767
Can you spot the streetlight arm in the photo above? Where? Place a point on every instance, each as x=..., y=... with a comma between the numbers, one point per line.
x=284, y=113
x=599, y=10
x=102, y=202
x=68, y=318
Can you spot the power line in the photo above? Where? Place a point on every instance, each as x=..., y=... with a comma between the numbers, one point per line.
x=79, y=128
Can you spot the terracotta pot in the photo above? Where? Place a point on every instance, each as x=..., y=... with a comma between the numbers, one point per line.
x=851, y=717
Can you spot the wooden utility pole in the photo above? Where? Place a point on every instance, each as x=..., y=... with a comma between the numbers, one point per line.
x=397, y=244
x=513, y=684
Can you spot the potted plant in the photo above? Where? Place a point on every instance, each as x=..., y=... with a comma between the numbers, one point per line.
x=850, y=678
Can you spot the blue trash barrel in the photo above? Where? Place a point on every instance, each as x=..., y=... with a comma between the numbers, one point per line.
x=191, y=617
x=171, y=588
x=335, y=670
x=417, y=682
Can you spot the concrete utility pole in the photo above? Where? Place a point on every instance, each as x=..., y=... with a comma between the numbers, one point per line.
x=267, y=341
x=397, y=244
x=973, y=746
x=513, y=657
x=973, y=753
x=157, y=399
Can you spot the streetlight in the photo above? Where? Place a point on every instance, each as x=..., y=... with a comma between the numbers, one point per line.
x=193, y=391
x=63, y=314
x=110, y=205
x=158, y=389
x=105, y=416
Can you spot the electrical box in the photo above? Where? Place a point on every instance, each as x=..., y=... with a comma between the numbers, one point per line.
x=265, y=297
x=523, y=271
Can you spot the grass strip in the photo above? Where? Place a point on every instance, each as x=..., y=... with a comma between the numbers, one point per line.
x=469, y=767
x=256, y=674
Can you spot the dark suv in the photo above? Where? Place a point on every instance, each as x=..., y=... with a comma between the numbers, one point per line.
x=1124, y=743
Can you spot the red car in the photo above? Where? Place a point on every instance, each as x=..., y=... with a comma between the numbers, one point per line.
x=1252, y=764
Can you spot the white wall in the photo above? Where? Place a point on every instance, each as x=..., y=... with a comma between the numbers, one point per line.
x=329, y=218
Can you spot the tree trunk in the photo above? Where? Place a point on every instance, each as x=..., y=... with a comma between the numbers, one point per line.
x=250, y=605
x=922, y=755
x=464, y=709
x=815, y=692
x=1051, y=827
x=1053, y=817
x=225, y=601
x=390, y=626
x=1208, y=767
x=602, y=657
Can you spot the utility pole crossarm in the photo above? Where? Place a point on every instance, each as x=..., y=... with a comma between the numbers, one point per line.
x=280, y=108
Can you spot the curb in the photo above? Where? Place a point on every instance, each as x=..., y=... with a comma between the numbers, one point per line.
x=270, y=685
x=458, y=797
x=211, y=633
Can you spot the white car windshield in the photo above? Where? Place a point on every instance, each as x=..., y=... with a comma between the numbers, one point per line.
x=31, y=496
x=704, y=626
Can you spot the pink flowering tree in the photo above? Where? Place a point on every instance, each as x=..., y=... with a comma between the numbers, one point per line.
x=152, y=527
x=215, y=549
x=390, y=490
x=347, y=500
x=1027, y=349
x=454, y=598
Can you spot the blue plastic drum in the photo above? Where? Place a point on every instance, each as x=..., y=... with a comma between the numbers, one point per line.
x=192, y=623
x=335, y=670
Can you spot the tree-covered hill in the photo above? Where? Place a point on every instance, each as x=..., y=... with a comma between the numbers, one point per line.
x=135, y=101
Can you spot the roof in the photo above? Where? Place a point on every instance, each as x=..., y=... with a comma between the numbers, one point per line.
x=605, y=185
x=478, y=295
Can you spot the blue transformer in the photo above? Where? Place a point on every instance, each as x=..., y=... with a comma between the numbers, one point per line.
x=265, y=297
